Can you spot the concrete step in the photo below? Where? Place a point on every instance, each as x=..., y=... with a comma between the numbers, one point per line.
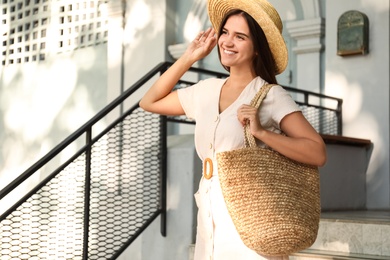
x=355, y=232
x=357, y=235
x=329, y=255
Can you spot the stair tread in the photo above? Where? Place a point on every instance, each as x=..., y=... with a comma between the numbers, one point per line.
x=361, y=216
x=313, y=254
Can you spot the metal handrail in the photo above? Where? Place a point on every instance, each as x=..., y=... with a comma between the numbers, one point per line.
x=82, y=130
x=85, y=153
x=86, y=130
x=160, y=68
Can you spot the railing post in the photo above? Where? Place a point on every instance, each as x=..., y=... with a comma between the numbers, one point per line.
x=163, y=166
x=163, y=184
x=340, y=117
x=87, y=191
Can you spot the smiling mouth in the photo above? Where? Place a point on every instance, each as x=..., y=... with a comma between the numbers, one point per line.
x=228, y=52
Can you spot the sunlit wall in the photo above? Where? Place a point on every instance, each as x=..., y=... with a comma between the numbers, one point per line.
x=53, y=74
x=362, y=81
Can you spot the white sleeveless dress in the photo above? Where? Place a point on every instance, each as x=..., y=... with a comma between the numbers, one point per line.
x=215, y=132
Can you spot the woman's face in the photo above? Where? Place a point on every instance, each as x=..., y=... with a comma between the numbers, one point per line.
x=235, y=43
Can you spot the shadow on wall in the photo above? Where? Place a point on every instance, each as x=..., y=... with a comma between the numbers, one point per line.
x=363, y=118
x=42, y=104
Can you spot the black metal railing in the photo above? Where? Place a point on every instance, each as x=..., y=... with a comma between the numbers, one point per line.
x=96, y=203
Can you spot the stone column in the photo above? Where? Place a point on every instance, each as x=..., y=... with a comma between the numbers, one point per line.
x=308, y=35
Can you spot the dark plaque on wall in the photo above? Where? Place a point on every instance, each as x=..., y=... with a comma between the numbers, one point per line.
x=352, y=34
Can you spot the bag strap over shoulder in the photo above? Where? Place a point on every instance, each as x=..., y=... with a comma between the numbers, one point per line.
x=256, y=101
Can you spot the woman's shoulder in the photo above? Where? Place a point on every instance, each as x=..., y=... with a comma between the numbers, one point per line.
x=276, y=88
x=277, y=94
x=280, y=91
x=259, y=83
x=205, y=87
x=209, y=84
x=212, y=81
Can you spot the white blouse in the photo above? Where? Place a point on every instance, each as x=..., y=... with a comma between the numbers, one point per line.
x=217, y=132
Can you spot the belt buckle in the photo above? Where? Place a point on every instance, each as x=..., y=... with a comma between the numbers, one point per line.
x=208, y=168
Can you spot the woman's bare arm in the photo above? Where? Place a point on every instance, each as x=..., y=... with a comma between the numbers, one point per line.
x=160, y=98
x=302, y=143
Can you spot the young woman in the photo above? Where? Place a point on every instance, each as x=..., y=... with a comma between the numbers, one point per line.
x=252, y=50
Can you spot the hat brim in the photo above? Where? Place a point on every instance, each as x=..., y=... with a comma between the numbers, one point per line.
x=217, y=10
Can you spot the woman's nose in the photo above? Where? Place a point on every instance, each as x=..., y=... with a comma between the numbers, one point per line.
x=228, y=41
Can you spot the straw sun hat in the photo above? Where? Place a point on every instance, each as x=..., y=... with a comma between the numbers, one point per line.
x=265, y=15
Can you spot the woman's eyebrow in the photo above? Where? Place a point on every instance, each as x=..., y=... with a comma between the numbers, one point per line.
x=242, y=34
x=238, y=33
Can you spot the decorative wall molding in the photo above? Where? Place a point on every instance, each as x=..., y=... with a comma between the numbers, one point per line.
x=308, y=48
x=309, y=37
x=308, y=34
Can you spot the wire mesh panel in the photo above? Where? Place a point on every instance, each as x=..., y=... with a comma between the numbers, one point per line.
x=125, y=182
x=323, y=112
x=124, y=193
x=325, y=121
x=49, y=225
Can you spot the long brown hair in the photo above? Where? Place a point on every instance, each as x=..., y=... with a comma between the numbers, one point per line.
x=263, y=63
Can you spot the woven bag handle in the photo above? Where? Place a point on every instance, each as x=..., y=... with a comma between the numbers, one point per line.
x=256, y=101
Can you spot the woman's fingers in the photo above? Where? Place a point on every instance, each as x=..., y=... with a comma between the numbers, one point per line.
x=206, y=41
x=202, y=45
x=248, y=114
x=200, y=36
x=205, y=36
x=209, y=34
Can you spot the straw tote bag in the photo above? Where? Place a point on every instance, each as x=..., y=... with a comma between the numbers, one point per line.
x=274, y=202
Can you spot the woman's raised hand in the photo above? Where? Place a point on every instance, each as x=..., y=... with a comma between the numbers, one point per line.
x=160, y=98
x=202, y=45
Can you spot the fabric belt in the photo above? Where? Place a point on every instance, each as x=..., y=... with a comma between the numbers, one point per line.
x=208, y=168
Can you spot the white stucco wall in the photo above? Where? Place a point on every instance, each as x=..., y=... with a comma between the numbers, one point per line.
x=144, y=41
x=52, y=80
x=363, y=83
x=42, y=104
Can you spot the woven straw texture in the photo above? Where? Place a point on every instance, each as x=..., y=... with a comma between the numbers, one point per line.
x=265, y=15
x=274, y=202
